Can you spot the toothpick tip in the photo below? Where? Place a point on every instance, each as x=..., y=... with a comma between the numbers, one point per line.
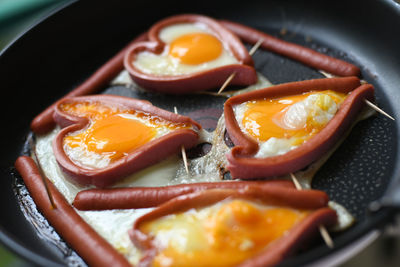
x=183, y=151
x=325, y=235
x=255, y=47
x=228, y=80
x=185, y=161
x=296, y=182
x=377, y=109
x=326, y=74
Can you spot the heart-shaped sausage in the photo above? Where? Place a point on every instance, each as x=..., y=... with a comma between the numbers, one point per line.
x=105, y=138
x=244, y=161
x=196, y=51
x=246, y=227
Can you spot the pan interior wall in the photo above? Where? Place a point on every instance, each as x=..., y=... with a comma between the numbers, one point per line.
x=63, y=50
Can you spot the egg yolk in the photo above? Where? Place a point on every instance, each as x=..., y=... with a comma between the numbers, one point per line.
x=222, y=235
x=264, y=119
x=114, y=132
x=196, y=48
x=114, y=135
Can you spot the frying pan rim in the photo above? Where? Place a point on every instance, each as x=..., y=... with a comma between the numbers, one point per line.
x=15, y=247
x=36, y=23
x=7, y=239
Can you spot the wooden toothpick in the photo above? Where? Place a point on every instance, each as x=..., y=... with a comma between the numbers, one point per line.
x=226, y=82
x=185, y=161
x=42, y=174
x=377, y=109
x=326, y=74
x=255, y=47
x=296, y=182
x=369, y=103
x=229, y=79
x=324, y=233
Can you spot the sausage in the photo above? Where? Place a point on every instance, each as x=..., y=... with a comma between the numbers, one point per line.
x=302, y=54
x=44, y=122
x=147, y=197
x=276, y=252
x=146, y=155
x=202, y=80
x=241, y=162
x=73, y=229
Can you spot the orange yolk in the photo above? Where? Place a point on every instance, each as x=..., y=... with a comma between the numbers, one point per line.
x=113, y=135
x=263, y=118
x=114, y=132
x=225, y=236
x=196, y=48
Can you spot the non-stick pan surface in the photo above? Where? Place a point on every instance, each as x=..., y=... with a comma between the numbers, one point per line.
x=63, y=50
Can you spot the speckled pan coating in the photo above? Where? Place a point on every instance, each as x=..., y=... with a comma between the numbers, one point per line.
x=146, y=155
x=279, y=196
x=44, y=122
x=203, y=80
x=241, y=161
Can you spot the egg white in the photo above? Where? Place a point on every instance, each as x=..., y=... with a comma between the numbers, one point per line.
x=187, y=232
x=163, y=64
x=113, y=225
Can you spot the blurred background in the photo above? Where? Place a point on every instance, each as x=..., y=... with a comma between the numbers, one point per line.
x=16, y=16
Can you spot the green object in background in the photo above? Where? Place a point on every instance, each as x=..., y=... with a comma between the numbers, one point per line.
x=6, y=258
x=15, y=17
x=11, y=9
x=18, y=15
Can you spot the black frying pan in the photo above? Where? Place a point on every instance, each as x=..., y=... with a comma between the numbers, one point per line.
x=63, y=50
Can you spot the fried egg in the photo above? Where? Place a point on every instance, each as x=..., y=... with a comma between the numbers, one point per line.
x=113, y=225
x=112, y=133
x=189, y=47
x=227, y=232
x=282, y=124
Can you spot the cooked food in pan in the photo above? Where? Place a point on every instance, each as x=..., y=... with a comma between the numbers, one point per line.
x=284, y=128
x=189, y=53
x=108, y=137
x=246, y=227
x=134, y=148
